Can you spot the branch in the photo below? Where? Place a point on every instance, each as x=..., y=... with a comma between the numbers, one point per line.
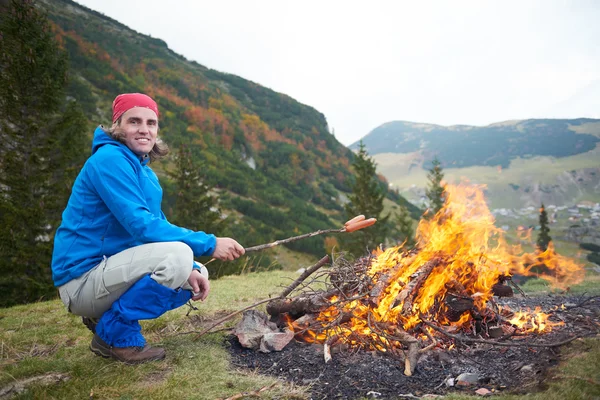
x=254, y=393
x=304, y=275
x=493, y=342
x=226, y=318
x=293, y=239
x=517, y=287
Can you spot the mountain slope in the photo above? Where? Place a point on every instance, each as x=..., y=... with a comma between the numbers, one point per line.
x=493, y=145
x=278, y=169
x=523, y=163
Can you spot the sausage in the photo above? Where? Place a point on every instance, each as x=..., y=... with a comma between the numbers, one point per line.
x=358, y=218
x=360, y=225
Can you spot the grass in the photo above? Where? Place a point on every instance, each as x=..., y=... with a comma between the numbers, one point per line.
x=41, y=338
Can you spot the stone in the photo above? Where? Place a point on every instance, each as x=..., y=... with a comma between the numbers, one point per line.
x=467, y=379
x=255, y=331
x=483, y=392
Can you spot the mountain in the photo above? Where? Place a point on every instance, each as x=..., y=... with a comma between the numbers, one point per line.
x=523, y=163
x=277, y=168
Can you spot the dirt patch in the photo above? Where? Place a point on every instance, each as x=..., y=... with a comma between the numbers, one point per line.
x=359, y=374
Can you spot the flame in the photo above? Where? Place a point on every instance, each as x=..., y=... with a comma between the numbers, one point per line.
x=461, y=256
x=533, y=321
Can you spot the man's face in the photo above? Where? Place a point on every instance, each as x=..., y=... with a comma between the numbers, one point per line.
x=140, y=127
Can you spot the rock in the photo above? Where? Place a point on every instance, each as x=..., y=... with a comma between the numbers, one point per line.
x=527, y=368
x=275, y=341
x=483, y=392
x=467, y=379
x=449, y=382
x=255, y=331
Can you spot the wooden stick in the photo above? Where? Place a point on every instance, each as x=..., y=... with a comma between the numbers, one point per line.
x=348, y=227
x=327, y=347
x=414, y=285
x=227, y=317
x=411, y=290
x=493, y=342
x=255, y=393
x=300, y=305
x=517, y=287
x=293, y=239
x=410, y=359
x=304, y=275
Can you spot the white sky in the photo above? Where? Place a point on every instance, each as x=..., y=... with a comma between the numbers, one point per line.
x=364, y=63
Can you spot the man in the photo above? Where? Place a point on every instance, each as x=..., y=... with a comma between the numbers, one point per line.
x=116, y=258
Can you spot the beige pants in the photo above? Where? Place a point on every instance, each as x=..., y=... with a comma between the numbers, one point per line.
x=90, y=295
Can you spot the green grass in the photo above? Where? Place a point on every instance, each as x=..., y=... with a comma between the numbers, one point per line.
x=41, y=338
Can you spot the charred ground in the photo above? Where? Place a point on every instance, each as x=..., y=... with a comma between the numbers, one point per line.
x=359, y=374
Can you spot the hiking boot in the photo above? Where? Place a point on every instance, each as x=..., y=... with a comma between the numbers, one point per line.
x=127, y=355
x=90, y=323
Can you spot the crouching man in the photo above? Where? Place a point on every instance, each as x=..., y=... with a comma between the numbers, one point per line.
x=117, y=259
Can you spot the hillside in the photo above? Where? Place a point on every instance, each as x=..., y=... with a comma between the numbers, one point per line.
x=278, y=169
x=523, y=163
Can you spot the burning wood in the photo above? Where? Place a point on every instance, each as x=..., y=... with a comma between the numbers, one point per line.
x=396, y=301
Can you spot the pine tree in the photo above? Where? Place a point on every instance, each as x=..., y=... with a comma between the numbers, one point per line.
x=43, y=146
x=436, y=193
x=404, y=225
x=366, y=198
x=544, y=236
x=194, y=207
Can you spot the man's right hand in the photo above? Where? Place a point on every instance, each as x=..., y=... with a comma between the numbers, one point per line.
x=227, y=249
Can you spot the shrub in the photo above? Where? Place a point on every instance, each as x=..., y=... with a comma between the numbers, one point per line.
x=590, y=247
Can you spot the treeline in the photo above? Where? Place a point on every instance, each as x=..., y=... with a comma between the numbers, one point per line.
x=44, y=144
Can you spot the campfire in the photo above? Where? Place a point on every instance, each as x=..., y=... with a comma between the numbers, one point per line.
x=404, y=302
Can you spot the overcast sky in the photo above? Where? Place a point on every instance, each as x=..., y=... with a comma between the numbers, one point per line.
x=364, y=63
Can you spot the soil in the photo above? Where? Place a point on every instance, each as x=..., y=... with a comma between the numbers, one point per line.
x=360, y=374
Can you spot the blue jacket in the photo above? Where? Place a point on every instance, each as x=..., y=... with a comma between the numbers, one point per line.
x=115, y=204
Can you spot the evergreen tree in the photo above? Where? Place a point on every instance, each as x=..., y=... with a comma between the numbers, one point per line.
x=43, y=146
x=194, y=207
x=544, y=236
x=436, y=193
x=404, y=225
x=366, y=198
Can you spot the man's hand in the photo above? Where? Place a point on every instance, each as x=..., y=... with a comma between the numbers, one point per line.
x=227, y=249
x=200, y=285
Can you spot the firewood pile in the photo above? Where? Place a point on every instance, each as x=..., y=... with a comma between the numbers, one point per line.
x=405, y=302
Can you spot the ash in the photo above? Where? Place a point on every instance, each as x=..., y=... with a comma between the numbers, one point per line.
x=359, y=374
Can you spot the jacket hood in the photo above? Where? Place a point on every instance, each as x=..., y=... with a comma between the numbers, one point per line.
x=101, y=138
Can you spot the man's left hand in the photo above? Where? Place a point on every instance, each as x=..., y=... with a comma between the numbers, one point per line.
x=200, y=285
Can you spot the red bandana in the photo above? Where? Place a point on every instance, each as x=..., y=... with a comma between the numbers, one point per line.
x=127, y=101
